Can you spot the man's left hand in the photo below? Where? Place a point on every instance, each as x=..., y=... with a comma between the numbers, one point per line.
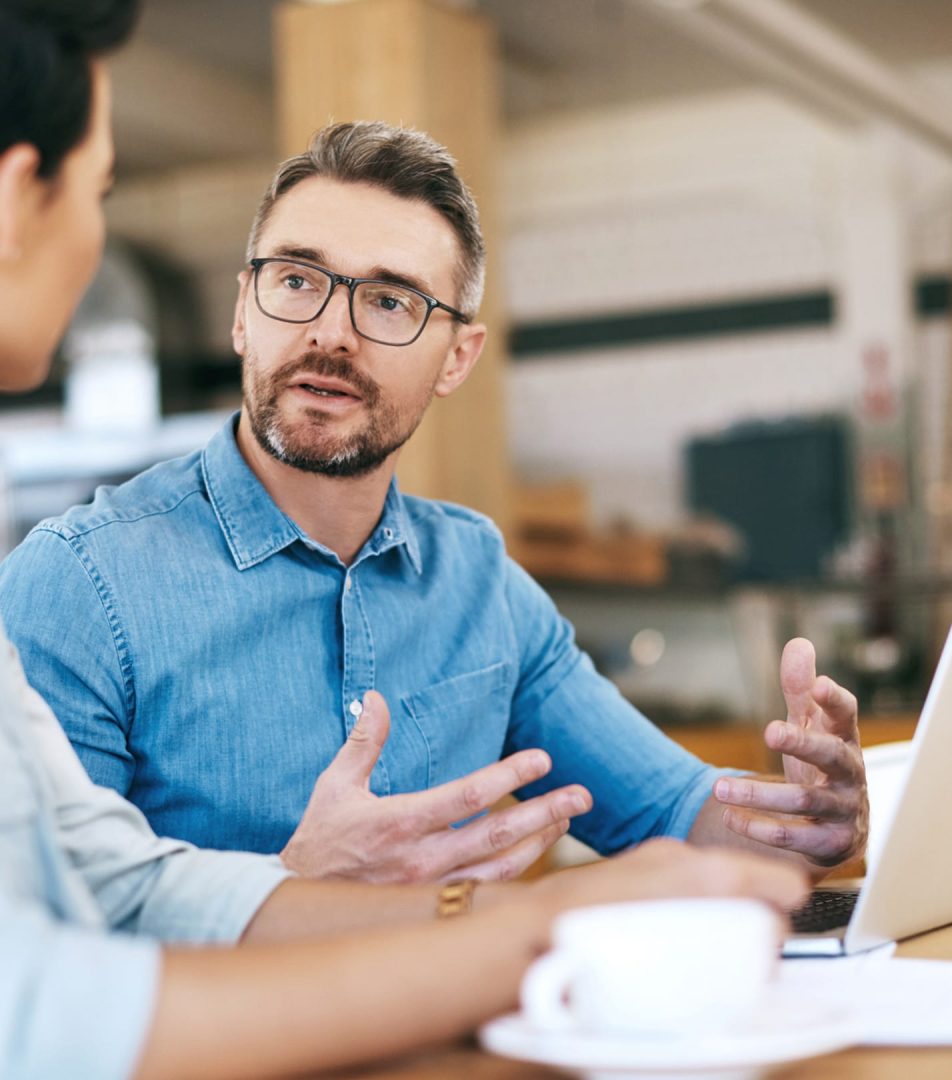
x=819, y=808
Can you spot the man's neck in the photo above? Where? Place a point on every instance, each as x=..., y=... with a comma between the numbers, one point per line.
x=338, y=512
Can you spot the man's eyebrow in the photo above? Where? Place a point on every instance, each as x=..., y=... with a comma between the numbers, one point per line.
x=394, y=277
x=289, y=251
x=377, y=273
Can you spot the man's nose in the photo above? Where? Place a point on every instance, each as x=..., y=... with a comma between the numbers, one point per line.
x=333, y=330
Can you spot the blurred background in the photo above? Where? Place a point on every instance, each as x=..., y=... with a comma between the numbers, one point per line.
x=716, y=410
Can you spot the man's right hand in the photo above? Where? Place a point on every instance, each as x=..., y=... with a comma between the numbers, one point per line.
x=348, y=832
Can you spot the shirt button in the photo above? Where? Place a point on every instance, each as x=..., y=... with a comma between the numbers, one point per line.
x=388, y=533
x=355, y=708
x=348, y=585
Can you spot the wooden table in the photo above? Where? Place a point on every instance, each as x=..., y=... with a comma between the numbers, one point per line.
x=468, y=1062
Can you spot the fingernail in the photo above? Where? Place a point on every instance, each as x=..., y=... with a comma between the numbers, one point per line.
x=579, y=803
x=722, y=790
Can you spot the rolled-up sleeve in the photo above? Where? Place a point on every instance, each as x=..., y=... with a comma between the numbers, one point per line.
x=166, y=889
x=73, y=1002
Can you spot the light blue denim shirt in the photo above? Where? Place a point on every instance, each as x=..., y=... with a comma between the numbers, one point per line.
x=86, y=891
x=204, y=656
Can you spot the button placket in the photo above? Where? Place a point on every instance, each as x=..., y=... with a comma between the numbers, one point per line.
x=358, y=652
x=359, y=669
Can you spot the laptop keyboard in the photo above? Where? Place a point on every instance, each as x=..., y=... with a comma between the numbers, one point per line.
x=826, y=909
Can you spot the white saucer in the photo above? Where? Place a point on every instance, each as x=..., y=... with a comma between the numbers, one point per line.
x=784, y=1029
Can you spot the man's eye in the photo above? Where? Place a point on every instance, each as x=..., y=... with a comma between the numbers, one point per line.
x=396, y=302
x=295, y=281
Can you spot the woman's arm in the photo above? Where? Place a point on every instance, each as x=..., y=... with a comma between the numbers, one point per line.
x=278, y=1010
x=269, y=1010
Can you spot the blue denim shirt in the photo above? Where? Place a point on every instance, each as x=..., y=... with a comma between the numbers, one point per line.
x=203, y=655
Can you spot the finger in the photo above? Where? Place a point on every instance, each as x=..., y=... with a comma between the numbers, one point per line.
x=803, y=800
x=510, y=864
x=503, y=830
x=825, y=842
x=839, y=706
x=355, y=760
x=829, y=753
x=797, y=678
x=469, y=795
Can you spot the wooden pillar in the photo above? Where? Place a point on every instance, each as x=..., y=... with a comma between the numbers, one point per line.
x=420, y=64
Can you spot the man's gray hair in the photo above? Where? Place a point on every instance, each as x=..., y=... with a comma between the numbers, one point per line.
x=406, y=163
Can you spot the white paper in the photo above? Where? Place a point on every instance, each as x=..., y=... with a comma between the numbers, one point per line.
x=897, y=1002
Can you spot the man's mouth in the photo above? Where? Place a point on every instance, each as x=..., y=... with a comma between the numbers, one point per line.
x=323, y=393
x=320, y=389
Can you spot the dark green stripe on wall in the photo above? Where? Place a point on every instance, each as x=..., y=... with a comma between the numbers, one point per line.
x=670, y=324
x=933, y=296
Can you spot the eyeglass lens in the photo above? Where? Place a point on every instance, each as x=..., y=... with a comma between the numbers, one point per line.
x=381, y=311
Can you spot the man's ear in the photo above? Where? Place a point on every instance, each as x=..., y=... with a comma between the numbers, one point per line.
x=18, y=199
x=238, y=337
x=461, y=359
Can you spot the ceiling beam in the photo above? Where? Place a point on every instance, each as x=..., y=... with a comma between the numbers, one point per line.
x=828, y=71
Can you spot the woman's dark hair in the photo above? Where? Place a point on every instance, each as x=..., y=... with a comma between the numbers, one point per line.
x=45, y=78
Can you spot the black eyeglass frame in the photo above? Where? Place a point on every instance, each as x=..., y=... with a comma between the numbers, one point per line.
x=352, y=282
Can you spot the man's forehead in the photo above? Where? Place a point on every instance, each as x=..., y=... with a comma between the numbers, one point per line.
x=360, y=226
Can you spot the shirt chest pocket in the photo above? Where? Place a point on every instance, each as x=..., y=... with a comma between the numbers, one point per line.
x=463, y=720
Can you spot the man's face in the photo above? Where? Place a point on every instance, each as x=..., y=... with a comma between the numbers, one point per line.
x=318, y=396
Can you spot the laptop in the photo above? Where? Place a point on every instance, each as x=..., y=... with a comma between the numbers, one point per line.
x=908, y=888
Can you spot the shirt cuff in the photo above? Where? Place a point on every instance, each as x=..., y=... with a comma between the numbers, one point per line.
x=209, y=896
x=690, y=806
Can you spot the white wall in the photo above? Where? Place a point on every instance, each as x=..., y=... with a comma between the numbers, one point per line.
x=704, y=201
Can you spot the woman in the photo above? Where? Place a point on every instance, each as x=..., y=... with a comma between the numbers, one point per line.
x=93, y=907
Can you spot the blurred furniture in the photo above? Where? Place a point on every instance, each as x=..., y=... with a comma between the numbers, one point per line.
x=785, y=486
x=552, y=537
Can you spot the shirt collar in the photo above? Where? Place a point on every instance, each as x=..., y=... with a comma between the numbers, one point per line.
x=255, y=528
x=395, y=529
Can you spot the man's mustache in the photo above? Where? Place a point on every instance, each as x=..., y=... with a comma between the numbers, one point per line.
x=329, y=367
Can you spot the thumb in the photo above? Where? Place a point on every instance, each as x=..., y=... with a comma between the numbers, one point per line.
x=356, y=759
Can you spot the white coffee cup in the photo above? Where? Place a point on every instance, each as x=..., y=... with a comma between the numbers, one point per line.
x=658, y=968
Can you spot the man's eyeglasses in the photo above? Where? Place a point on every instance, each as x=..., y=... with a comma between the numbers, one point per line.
x=297, y=292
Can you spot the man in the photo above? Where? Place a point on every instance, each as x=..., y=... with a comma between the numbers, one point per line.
x=226, y=613
x=87, y=891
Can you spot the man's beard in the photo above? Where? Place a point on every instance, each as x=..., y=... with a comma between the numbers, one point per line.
x=306, y=444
